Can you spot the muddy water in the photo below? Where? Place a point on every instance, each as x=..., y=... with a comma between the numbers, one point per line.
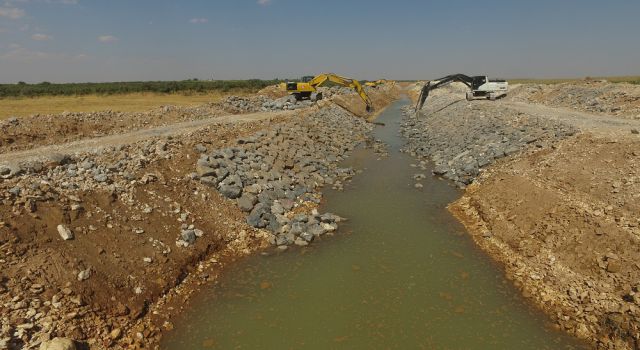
x=400, y=274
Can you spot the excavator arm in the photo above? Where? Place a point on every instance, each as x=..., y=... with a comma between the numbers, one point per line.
x=347, y=82
x=430, y=85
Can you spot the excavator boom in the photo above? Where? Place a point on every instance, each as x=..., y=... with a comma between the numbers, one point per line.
x=424, y=93
x=311, y=86
x=480, y=86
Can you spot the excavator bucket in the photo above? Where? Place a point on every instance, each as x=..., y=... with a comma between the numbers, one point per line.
x=369, y=109
x=424, y=93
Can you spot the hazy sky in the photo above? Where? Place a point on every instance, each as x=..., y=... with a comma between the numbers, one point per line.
x=123, y=40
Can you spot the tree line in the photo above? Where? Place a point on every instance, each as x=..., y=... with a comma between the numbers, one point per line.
x=23, y=89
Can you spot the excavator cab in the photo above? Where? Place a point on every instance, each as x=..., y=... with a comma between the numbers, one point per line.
x=477, y=82
x=292, y=86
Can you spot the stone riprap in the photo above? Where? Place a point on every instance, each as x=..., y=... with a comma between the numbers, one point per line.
x=459, y=137
x=275, y=175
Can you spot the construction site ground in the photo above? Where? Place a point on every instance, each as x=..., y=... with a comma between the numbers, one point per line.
x=559, y=207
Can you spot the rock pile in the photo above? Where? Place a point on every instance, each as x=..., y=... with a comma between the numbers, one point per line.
x=619, y=99
x=462, y=138
x=236, y=104
x=273, y=173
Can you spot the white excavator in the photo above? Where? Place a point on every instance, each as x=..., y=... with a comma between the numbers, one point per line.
x=481, y=87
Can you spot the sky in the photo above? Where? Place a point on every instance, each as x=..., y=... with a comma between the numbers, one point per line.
x=133, y=40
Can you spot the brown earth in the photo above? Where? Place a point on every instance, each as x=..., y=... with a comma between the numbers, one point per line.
x=564, y=222
x=114, y=233
x=39, y=130
x=52, y=129
x=118, y=282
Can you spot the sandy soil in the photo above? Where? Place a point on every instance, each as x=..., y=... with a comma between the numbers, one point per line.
x=123, y=237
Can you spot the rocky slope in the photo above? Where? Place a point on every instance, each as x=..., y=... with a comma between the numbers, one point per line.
x=462, y=137
x=104, y=245
x=272, y=173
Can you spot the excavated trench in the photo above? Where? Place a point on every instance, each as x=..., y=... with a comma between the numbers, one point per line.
x=401, y=273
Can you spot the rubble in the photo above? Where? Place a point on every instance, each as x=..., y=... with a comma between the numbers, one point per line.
x=273, y=171
x=464, y=137
x=595, y=96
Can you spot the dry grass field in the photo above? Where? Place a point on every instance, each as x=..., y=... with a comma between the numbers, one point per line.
x=135, y=102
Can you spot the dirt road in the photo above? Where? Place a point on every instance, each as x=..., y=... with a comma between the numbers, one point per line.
x=599, y=124
x=174, y=129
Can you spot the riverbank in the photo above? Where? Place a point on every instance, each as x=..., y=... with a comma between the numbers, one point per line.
x=103, y=239
x=551, y=194
x=399, y=273
x=564, y=223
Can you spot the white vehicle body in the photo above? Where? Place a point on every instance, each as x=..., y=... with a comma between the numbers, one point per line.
x=482, y=86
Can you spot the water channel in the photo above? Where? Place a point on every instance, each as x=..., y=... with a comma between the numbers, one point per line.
x=400, y=274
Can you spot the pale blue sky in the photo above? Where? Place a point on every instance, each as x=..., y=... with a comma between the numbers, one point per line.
x=122, y=40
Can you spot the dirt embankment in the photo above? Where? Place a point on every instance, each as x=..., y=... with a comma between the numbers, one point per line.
x=381, y=96
x=125, y=207
x=105, y=244
x=565, y=224
x=558, y=209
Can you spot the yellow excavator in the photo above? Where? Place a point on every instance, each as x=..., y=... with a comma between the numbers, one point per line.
x=308, y=88
x=376, y=83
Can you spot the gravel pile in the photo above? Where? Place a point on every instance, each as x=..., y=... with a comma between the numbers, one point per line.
x=263, y=103
x=275, y=175
x=619, y=99
x=260, y=103
x=461, y=138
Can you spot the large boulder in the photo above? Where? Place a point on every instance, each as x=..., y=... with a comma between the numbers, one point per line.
x=256, y=217
x=231, y=186
x=58, y=344
x=247, y=201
